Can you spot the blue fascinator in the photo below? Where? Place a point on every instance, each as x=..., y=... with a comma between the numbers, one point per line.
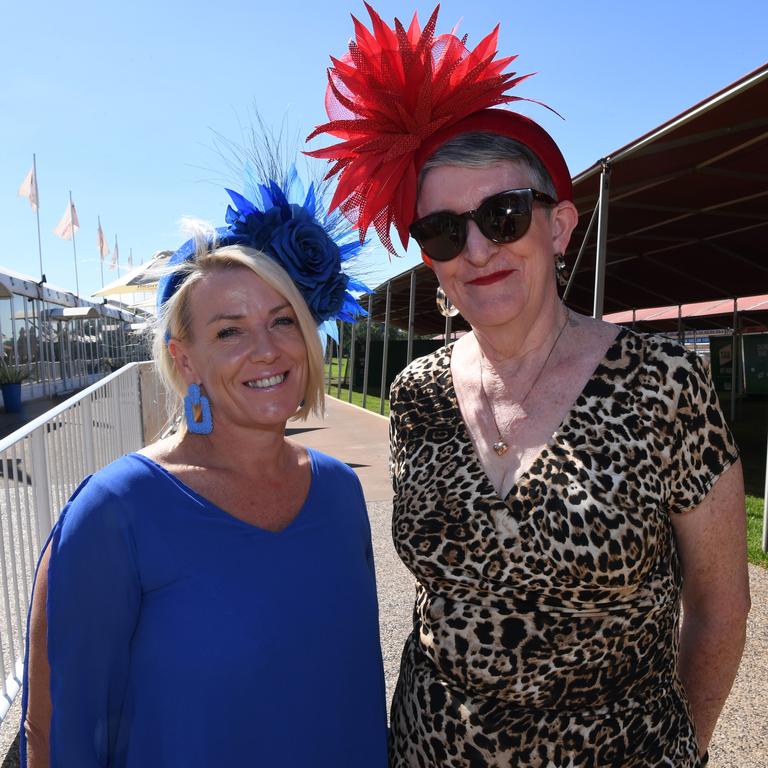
x=293, y=229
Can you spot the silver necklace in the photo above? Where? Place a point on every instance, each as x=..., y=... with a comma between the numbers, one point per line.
x=501, y=446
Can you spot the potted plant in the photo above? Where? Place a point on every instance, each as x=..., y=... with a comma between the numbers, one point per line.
x=11, y=378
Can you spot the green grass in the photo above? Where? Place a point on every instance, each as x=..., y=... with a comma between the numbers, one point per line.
x=334, y=368
x=755, y=531
x=372, y=402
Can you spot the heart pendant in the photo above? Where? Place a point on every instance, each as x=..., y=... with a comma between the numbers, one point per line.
x=500, y=447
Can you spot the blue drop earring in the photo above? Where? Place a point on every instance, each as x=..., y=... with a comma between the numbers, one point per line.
x=195, y=400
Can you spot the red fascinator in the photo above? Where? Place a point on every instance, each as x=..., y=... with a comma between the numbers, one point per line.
x=395, y=97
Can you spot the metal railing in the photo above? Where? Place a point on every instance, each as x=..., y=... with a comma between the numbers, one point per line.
x=41, y=465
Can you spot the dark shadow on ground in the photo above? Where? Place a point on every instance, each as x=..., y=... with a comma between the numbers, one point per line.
x=12, y=759
x=298, y=430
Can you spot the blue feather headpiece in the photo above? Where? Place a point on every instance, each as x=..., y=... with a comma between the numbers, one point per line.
x=307, y=243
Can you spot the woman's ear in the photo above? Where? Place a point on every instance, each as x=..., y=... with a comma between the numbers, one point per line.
x=181, y=359
x=565, y=217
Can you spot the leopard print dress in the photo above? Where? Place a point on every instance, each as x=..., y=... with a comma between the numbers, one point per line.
x=545, y=624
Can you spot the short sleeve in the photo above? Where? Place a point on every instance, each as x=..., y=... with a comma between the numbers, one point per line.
x=703, y=446
x=94, y=596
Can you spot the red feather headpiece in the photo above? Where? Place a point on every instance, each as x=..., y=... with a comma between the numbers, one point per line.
x=395, y=97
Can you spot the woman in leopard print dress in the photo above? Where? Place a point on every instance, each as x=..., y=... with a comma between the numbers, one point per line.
x=561, y=486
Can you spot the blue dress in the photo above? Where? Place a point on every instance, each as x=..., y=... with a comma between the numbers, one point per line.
x=179, y=635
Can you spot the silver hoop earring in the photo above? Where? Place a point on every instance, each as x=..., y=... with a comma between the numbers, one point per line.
x=561, y=270
x=444, y=305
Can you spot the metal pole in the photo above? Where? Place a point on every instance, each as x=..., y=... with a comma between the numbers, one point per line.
x=602, y=237
x=41, y=485
x=634, y=318
x=386, y=349
x=37, y=213
x=448, y=330
x=411, y=312
x=339, y=350
x=680, y=330
x=734, y=359
x=765, y=508
x=101, y=256
x=581, y=253
x=52, y=348
x=367, y=349
x=351, y=363
x=329, y=363
x=74, y=247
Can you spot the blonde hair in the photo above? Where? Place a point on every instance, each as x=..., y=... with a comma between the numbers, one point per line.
x=175, y=320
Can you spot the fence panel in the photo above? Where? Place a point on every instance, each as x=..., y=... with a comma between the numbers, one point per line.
x=41, y=465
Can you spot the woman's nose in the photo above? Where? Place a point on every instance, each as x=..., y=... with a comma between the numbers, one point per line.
x=263, y=349
x=478, y=249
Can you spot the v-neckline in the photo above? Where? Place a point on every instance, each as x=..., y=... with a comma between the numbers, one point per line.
x=205, y=502
x=489, y=489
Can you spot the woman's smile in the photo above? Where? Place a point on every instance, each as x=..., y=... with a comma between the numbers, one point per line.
x=267, y=382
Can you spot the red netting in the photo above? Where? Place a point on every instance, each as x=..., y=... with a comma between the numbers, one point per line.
x=385, y=97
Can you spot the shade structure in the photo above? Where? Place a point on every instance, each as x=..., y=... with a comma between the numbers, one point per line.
x=141, y=279
x=687, y=215
x=700, y=316
x=687, y=208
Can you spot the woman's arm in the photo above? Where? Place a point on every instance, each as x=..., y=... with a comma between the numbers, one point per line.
x=711, y=540
x=37, y=718
x=83, y=630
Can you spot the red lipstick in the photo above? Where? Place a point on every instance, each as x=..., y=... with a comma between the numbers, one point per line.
x=492, y=278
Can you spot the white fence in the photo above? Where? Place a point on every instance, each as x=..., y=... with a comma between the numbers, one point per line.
x=41, y=465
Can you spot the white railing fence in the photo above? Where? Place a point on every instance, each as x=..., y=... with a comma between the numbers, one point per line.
x=41, y=465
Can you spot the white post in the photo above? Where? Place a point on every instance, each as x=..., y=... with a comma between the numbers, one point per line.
x=41, y=486
x=602, y=241
x=734, y=359
x=74, y=247
x=37, y=214
x=367, y=349
x=351, y=362
x=90, y=454
x=765, y=507
x=385, y=354
x=411, y=313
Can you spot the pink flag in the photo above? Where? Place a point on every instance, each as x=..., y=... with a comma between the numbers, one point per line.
x=28, y=188
x=115, y=256
x=69, y=224
x=102, y=241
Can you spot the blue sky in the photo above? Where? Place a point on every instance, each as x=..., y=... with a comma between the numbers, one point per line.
x=120, y=101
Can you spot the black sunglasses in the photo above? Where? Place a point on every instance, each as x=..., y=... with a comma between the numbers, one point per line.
x=502, y=218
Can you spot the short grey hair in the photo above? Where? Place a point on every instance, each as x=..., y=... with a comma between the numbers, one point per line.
x=479, y=149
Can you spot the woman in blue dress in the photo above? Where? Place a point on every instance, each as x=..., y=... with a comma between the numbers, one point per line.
x=211, y=599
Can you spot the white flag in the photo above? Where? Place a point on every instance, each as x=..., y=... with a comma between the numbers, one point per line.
x=115, y=256
x=28, y=188
x=69, y=224
x=102, y=242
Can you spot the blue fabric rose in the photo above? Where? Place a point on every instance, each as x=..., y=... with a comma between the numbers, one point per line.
x=312, y=259
x=303, y=244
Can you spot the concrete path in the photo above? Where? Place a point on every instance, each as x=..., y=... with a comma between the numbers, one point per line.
x=357, y=437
